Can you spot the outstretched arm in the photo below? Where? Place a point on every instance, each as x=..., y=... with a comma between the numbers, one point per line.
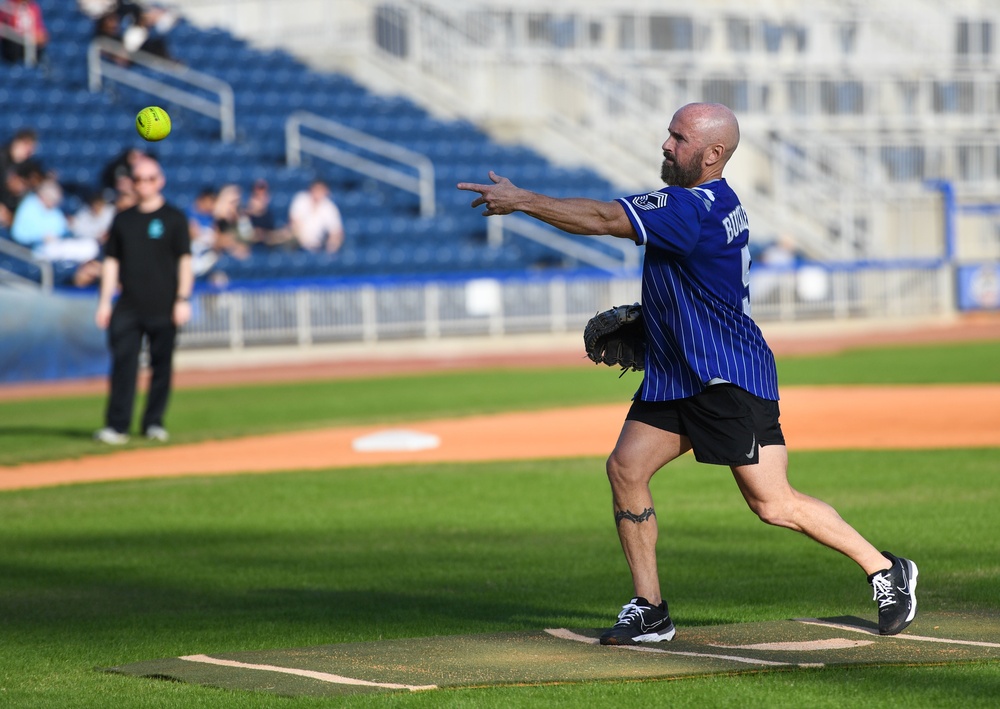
x=575, y=215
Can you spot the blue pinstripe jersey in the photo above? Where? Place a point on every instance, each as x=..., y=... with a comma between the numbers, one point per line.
x=696, y=293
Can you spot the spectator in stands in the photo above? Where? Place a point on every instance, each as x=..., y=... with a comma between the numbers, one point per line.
x=201, y=224
x=109, y=26
x=93, y=219
x=154, y=272
x=200, y=214
x=87, y=274
x=155, y=15
x=33, y=173
x=265, y=227
x=91, y=222
x=120, y=165
x=315, y=220
x=18, y=182
x=40, y=225
x=95, y=8
x=780, y=253
x=38, y=219
x=16, y=153
x=232, y=227
x=20, y=148
x=13, y=187
x=25, y=18
x=12, y=191
x=777, y=256
x=136, y=27
x=123, y=195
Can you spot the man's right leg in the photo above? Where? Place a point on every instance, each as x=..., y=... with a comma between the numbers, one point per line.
x=641, y=451
x=125, y=342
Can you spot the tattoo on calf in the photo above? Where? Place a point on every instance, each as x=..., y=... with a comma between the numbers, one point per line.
x=632, y=517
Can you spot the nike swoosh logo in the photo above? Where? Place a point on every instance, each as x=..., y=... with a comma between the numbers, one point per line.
x=650, y=626
x=905, y=588
x=753, y=446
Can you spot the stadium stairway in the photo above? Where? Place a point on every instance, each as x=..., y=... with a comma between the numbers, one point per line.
x=81, y=131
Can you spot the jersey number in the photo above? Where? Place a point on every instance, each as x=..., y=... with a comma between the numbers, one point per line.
x=745, y=254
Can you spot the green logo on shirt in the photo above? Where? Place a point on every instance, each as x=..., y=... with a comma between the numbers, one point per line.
x=155, y=229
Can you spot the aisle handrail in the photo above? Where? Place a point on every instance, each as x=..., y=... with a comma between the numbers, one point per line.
x=99, y=68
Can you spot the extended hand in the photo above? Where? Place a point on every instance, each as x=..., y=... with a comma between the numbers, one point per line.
x=499, y=198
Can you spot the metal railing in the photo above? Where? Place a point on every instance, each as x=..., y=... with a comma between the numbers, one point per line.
x=980, y=237
x=683, y=33
x=626, y=258
x=366, y=313
x=872, y=291
x=223, y=109
x=296, y=144
x=22, y=253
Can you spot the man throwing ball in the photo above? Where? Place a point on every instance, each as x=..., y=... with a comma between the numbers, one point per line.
x=710, y=383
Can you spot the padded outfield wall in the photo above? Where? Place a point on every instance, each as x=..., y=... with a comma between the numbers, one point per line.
x=46, y=336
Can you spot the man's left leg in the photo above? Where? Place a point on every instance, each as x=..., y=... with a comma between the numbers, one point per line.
x=767, y=491
x=641, y=450
x=162, y=334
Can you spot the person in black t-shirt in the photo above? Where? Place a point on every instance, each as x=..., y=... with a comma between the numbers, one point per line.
x=148, y=253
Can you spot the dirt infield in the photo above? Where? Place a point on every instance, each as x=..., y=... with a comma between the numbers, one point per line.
x=861, y=417
x=858, y=417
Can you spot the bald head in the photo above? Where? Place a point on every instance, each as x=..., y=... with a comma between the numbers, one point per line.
x=715, y=124
x=703, y=136
x=145, y=165
x=147, y=178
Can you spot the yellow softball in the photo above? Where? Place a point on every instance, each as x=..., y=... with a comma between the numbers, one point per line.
x=153, y=123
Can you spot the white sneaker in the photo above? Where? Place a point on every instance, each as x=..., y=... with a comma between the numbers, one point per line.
x=111, y=437
x=157, y=433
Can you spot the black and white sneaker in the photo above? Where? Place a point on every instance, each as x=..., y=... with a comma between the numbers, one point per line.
x=157, y=433
x=111, y=437
x=640, y=622
x=896, y=594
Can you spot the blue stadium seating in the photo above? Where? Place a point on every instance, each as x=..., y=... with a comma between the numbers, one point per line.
x=81, y=131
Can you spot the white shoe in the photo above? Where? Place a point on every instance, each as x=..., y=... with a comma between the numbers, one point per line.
x=111, y=437
x=157, y=433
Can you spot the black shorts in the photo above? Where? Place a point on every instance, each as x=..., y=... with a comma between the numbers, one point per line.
x=726, y=425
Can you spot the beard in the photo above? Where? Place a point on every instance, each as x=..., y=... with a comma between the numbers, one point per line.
x=675, y=174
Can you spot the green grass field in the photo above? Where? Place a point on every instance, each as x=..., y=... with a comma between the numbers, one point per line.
x=99, y=575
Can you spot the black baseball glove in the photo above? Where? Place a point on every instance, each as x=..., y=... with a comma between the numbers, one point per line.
x=616, y=337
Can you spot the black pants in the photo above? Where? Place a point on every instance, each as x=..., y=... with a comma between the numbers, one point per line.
x=125, y=335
